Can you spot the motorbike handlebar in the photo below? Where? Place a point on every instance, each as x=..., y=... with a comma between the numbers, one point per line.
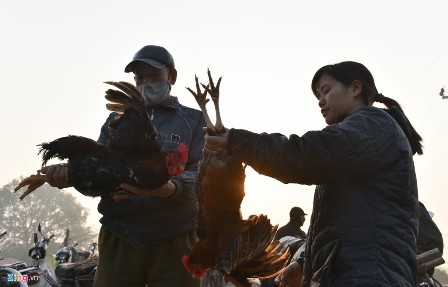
x=49, y=238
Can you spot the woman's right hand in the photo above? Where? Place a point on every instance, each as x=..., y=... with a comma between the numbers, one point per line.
x=291, y=276
x=56, y=175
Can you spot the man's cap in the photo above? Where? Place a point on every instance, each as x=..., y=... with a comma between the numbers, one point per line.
x=296, y=212
x=155, y=56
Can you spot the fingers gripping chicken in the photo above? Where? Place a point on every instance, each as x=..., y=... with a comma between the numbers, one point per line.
x=235, y=247
x=132, y=154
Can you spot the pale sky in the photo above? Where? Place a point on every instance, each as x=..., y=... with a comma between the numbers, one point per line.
x=55, y=56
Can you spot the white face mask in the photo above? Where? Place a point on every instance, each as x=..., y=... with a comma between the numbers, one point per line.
x=155, y=93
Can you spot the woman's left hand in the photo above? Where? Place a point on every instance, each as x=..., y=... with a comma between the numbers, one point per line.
x=217, y=144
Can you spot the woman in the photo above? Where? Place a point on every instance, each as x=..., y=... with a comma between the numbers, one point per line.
x=364, y=223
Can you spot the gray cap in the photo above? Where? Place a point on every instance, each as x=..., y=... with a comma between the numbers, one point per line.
x=155, y=56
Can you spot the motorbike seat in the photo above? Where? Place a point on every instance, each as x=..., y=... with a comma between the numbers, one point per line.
x=67, y=271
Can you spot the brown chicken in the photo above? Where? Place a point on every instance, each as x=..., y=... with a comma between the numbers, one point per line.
x=237, y=248
x=132, y=154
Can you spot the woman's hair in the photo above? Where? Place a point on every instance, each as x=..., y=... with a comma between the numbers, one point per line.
x=347, y=72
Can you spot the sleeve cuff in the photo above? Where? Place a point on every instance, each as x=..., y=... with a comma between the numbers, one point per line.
x=178, y=188
x=240, y=142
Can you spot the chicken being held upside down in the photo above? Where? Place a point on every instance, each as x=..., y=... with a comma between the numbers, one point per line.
x=132, y=155
x=237, y=248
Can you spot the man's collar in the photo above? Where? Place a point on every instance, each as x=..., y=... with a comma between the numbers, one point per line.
x=171, y=102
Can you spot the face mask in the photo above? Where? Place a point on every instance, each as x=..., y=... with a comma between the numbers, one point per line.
x=155, y=93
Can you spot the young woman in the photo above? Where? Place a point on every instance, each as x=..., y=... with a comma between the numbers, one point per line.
x=363, y=228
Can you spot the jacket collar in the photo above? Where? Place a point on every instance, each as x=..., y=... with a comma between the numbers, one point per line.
x=171, y=102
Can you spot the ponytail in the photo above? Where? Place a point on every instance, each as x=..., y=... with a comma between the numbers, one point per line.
x=394, y=109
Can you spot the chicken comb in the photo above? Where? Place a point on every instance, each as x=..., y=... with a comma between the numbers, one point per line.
x=182, y=148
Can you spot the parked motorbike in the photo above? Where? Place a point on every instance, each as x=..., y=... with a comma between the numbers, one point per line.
x=71, y=254
x=17, y=273
x=425, y=261
x=80, y=272
x=296, y=249
x=38, y=269
x=9, y=276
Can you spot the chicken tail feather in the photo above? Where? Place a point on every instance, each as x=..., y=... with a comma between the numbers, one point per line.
x=69, y=147
x=129, y=96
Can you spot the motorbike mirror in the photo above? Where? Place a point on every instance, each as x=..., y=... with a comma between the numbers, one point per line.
x=35, y=237
x=39, y=228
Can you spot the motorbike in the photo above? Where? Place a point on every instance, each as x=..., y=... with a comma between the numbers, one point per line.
x=296, y=249
x=74, y=268
x=38, y=253
x=71, y=254
x=9, y=274
x=17, y=273
x=425, y=262
x=80, y=272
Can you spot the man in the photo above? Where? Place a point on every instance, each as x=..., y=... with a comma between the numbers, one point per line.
x=143, y=238
x=292, y=228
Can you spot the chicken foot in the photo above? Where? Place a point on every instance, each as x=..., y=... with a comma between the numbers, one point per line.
x=202, y=101
x=33, y=181
x=214, y=94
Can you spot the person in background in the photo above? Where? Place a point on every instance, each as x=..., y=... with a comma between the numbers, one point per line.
x=292, y=228
x=363, y=226
x=145, y=234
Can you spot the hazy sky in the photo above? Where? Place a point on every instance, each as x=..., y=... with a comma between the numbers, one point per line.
x=55, y=56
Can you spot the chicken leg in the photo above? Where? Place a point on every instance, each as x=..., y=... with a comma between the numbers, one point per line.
x=218, y=127
x=33, y=181
x=214, y=94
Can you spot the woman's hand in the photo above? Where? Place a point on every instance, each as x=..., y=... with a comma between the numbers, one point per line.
x=165, y=190
x=216, y=144
x=291, y=276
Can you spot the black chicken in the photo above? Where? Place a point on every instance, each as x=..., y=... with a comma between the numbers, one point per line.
x=235, y=248
x=132, y=154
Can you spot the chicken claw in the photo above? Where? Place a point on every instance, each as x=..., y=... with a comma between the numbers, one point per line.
x=33, y=181
x=214, y=94
x=201, y=99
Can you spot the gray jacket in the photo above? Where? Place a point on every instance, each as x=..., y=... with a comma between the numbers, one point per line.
x=363, y=228
x=148, y=220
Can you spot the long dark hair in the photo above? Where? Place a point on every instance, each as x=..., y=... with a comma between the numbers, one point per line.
x=347, y=72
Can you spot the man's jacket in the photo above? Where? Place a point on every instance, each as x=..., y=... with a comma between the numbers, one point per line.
x=147, y=220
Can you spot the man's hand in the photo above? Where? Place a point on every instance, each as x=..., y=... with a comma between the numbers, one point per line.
x=56, y=175
x=291, y=276
x=165, y=190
